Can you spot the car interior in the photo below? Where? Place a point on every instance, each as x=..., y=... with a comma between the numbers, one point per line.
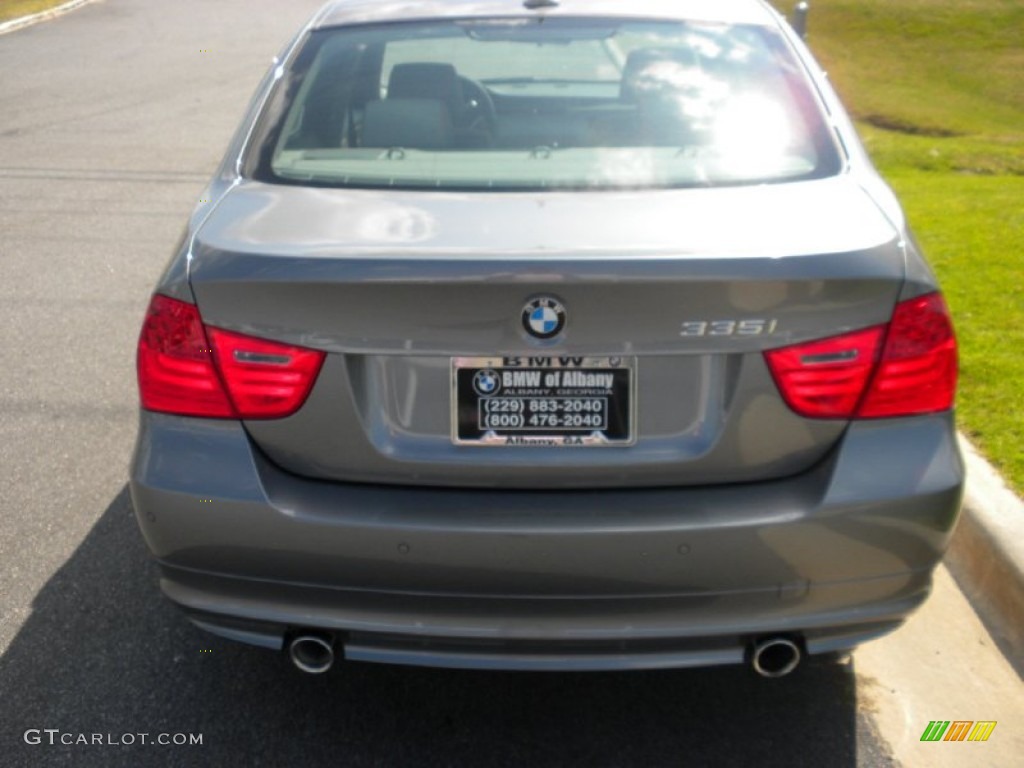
x=429, y=105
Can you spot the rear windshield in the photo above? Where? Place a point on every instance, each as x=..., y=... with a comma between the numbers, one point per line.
x=543, y=104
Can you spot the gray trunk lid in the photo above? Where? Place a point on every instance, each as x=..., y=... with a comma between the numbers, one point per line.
x=394, y=284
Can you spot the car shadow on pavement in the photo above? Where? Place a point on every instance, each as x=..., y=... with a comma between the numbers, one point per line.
x=103, y=653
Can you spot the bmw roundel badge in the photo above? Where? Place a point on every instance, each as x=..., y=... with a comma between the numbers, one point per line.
x=544, y=318
x=486, y=382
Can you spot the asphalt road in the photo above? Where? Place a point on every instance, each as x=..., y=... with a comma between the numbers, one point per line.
x=111, y=118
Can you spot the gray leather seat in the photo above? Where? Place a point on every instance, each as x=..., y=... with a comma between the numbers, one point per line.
x=408, y=123
x=425, y=80
x=662, y=83
x=655, y=72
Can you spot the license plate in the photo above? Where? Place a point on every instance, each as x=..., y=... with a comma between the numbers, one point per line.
x=543, y=401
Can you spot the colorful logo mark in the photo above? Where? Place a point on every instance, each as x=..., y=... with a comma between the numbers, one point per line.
x=958, y=730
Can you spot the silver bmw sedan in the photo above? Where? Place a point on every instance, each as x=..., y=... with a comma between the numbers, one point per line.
x=569, y=335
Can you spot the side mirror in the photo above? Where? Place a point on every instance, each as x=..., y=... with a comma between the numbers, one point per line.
x=799, y=19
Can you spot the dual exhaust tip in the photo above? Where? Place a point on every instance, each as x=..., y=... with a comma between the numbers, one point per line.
x=312, y=653
x=775, y=657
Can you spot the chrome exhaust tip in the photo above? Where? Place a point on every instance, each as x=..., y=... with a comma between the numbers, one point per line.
x=312, y=653
x=775, y=657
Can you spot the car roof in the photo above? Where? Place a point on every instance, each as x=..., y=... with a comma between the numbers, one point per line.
x=340, y=12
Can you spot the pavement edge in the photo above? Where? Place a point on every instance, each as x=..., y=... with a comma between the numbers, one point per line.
x=986, y=554
x=34, y=18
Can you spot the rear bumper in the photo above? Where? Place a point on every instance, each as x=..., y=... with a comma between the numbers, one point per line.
x=548, y=579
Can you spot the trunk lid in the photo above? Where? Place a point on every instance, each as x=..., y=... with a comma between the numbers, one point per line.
x=689, y=285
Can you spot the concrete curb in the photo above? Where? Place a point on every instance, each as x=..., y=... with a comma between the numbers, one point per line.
x=35, y=18
x=986, y=554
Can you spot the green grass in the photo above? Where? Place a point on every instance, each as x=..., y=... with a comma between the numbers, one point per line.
x=937, y=88
x=930, y=65
x=12, y=9
x=972, y=228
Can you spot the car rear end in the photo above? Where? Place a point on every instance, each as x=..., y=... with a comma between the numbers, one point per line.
x=620, y=357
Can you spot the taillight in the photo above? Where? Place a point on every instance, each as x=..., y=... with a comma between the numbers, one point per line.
x=175, y=365
x=266, y=379
x=825, y=379
x=189, y=370
x=906, y=367
x=918, y=370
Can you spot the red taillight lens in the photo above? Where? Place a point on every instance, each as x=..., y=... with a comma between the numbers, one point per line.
x=918, y=370
x=175, y=364
x=825, y=379
x=189, y=370
x=905, y=368
x=266, y=379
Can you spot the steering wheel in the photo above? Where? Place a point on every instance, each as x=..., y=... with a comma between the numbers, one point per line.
x=479, y=115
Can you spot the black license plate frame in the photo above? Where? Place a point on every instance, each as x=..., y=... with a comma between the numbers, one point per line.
x=534, y=400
